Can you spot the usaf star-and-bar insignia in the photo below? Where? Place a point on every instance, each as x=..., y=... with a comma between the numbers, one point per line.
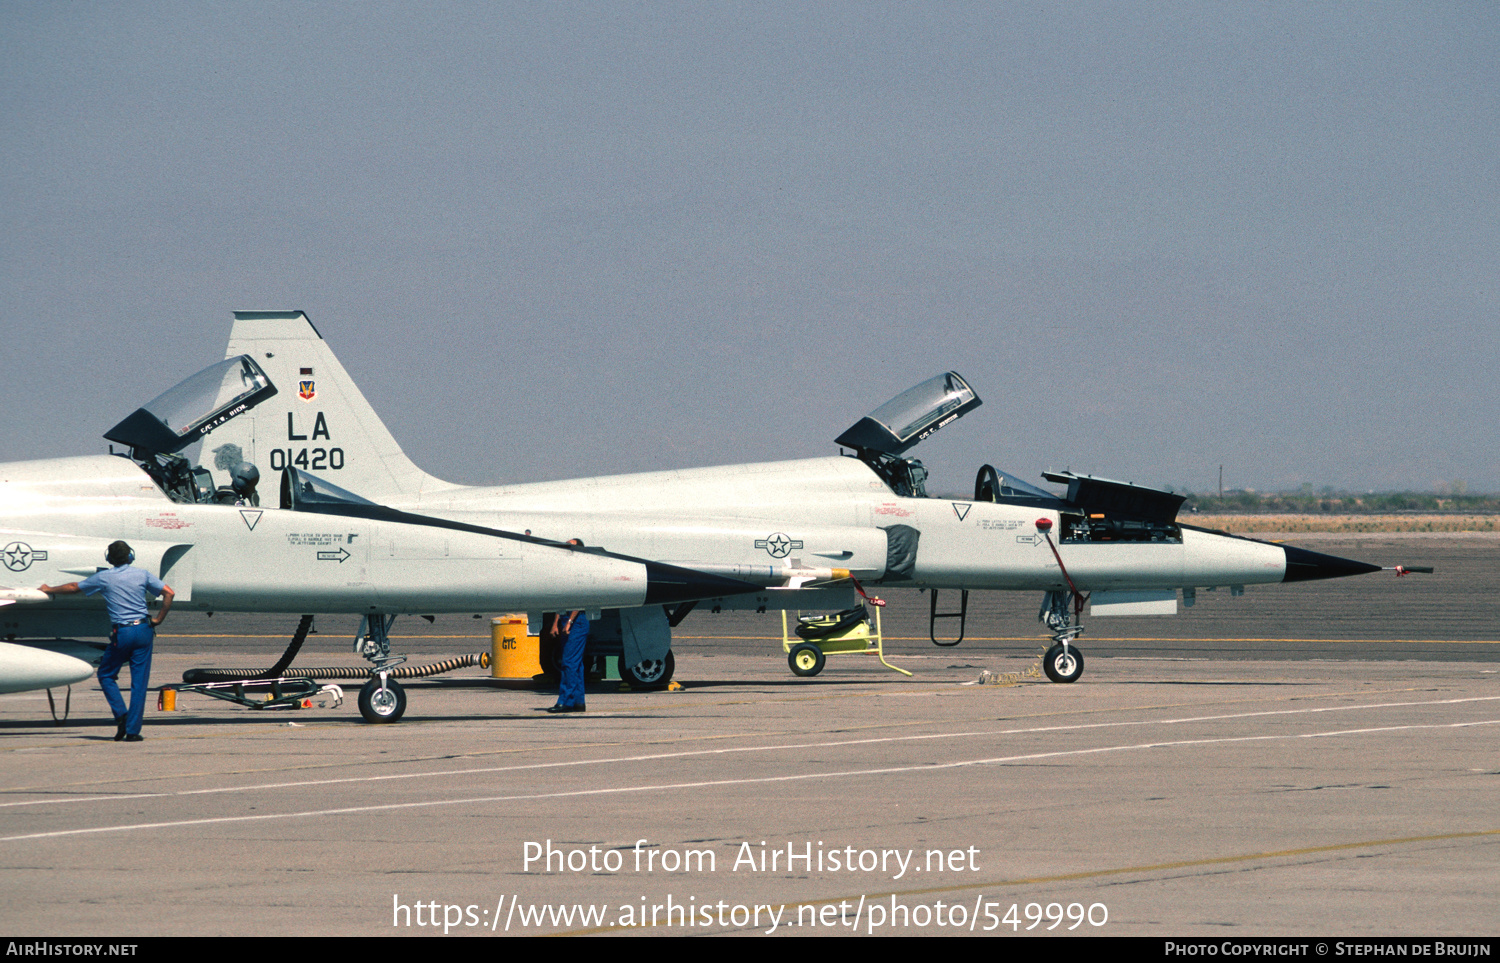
x=18, y=556
x=779, y=545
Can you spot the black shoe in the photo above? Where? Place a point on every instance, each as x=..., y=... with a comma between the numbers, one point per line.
x=556, y=709
x=135, y=737
x=119, y=728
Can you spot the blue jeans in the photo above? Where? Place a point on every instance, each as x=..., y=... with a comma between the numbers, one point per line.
x=570, y=665
x=129, y=643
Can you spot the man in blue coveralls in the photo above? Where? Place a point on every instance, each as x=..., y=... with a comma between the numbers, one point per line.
x=573, y=628
x=132, y=631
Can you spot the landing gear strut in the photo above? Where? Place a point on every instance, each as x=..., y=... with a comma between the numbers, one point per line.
x=382, y=699
x=1060, y=609
x=1063, y=662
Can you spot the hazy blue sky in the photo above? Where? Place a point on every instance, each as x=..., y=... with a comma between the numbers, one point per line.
x=559, y=239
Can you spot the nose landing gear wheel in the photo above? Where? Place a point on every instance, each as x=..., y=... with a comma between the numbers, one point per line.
x=648, y=674
x=378, y=705
x=1063, y=665
x=806, y=660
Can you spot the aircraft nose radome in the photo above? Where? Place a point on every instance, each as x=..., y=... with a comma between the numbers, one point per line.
x=1304, y=566
x=668, y=583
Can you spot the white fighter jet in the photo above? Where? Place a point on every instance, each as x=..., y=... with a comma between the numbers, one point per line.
x=794, y=529
x=321, y=549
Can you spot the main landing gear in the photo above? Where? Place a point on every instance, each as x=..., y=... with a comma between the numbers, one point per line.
x=649, y=673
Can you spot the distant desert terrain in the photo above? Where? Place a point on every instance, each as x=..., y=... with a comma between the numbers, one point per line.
x=1342, y=523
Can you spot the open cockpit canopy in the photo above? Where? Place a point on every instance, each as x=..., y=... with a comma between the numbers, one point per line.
x=911, y=416
x=880, y=438
x=196, y=406
x=155, y=434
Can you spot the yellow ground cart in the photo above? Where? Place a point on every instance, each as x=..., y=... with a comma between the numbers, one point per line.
x=812, y=638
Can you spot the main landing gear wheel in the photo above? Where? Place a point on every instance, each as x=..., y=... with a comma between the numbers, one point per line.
x=806, y=660
x=378, y=705
x=1063, y=665
x=649, y=673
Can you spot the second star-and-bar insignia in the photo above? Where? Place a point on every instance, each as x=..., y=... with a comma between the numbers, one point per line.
x=779, y=545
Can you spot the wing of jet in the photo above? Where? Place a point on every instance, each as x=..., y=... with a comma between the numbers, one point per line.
x=806, y=533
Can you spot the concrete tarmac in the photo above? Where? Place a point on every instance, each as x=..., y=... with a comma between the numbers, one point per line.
x=1315, y=759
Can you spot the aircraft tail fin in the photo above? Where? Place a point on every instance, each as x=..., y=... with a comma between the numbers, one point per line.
x=318, y=420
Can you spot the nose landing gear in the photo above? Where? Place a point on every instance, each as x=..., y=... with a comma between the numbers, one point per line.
x=1062, y=662
x=382, y=699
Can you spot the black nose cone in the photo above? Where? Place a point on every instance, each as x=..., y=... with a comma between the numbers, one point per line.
x=1304, y=566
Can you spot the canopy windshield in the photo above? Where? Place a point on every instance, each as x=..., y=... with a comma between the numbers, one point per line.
x=1009, y=486
x=304, y=492
x=183, y=414
x=911, y=416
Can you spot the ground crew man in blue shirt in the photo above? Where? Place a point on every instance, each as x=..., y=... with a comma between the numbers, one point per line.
x=132, y=631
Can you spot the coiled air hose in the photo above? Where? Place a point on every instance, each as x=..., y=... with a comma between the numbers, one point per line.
x=279, y=670
x=194, y=676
